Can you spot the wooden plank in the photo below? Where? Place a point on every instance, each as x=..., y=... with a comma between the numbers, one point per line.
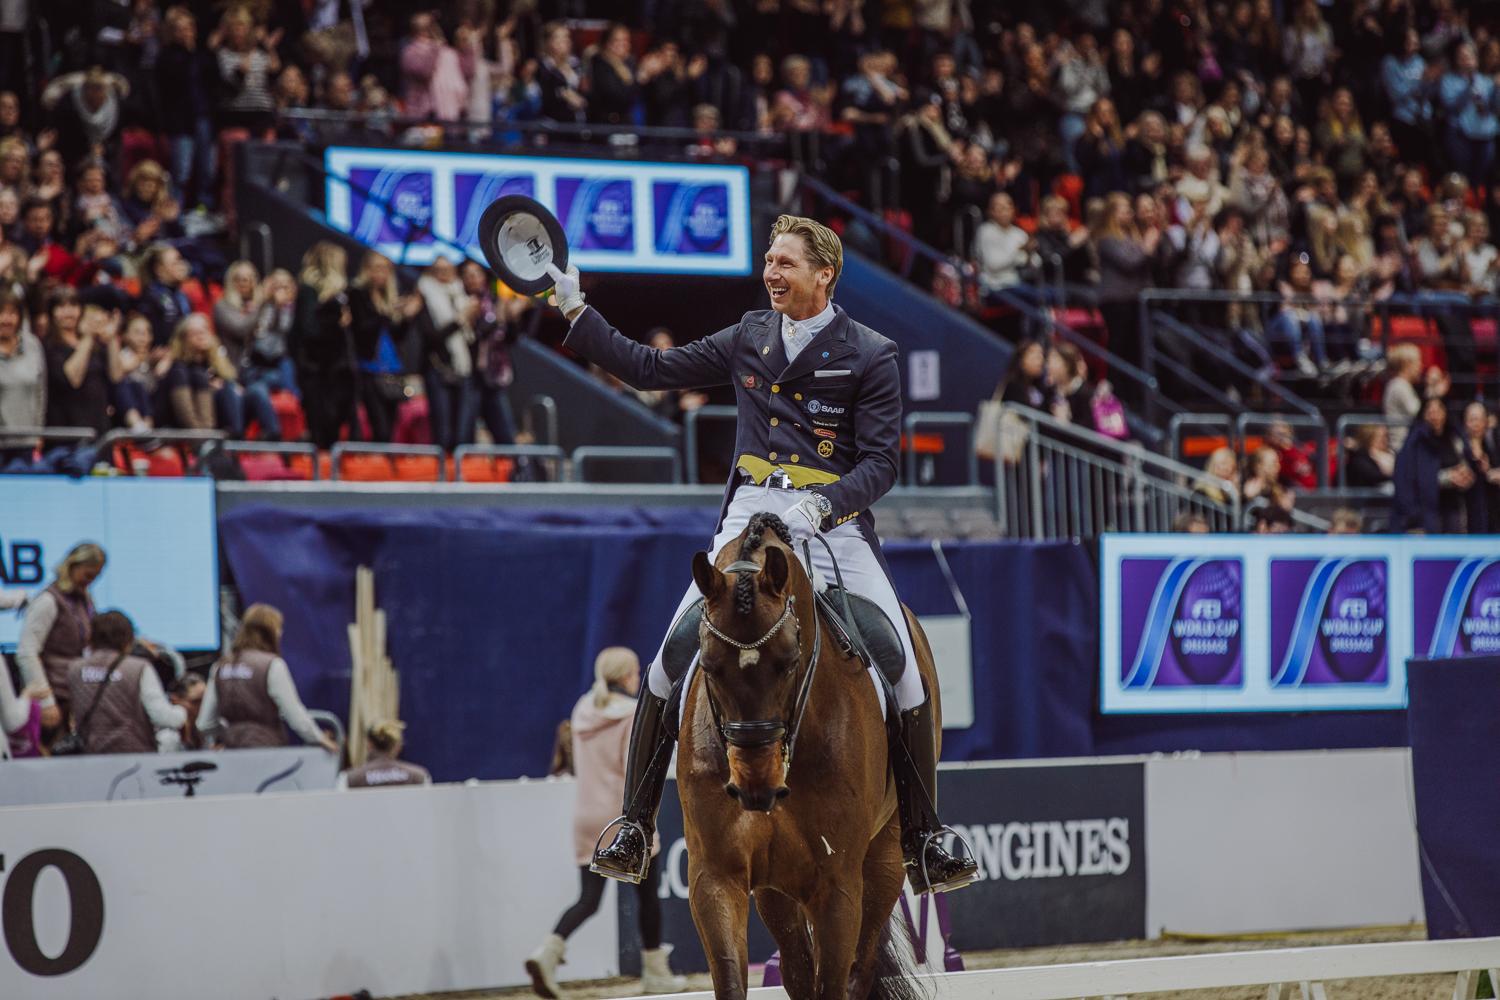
x=1192, y=972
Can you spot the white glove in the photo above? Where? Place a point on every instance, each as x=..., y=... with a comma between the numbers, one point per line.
x=565, y=294
x=811, y=508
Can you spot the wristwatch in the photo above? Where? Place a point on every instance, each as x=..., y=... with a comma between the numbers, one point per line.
x=824, y=505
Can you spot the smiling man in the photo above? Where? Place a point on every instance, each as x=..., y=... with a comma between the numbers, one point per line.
x=817, y=443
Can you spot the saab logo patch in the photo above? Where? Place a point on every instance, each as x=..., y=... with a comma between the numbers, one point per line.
x=820, y=432
x=825, y=448
x=749, y=381
x=814, y=406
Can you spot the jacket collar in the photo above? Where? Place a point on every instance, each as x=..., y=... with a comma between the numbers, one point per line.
x=830, y=345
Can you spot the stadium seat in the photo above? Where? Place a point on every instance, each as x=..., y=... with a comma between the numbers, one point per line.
x=416, y=468
x=289, y=412
x=267, y=467
x=359, y=468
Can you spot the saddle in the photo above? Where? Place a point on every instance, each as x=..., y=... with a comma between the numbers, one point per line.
x=866, y=631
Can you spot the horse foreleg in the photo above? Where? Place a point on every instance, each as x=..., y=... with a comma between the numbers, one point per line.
x=835, y=917
x=721, y=911
x=884, y=876
x=787, y=922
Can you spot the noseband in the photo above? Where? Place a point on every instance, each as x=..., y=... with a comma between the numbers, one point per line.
x=753, y=733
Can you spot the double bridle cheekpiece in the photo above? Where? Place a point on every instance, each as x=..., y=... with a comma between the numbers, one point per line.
x=753, y=733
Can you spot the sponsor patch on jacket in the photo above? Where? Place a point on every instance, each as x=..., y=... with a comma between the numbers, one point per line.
x=816, y=406
x=824, y=423
x=822, y=433
x=749, y=381
x=825, y=448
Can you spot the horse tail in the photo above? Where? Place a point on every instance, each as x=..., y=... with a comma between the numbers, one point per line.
x=895, y=978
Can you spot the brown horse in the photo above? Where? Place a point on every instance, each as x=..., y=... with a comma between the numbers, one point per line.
x=812, y=834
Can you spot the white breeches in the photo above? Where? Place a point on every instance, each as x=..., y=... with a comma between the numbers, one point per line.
x=857, y=562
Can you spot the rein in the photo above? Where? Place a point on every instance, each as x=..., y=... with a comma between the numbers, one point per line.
x=761, y=732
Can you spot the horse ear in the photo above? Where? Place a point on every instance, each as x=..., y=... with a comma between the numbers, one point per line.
x=710, y=581
x=776, y=572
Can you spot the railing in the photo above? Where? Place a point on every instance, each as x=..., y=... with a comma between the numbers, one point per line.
x=263, y=231
x=390, y=451
x=1151, y=318
x=965, y=421
x=1066, y=482
x=916, y=248
x=690, y=433
x=1300, y=518
x=610, y=453
x=305, y=449
x=541, y=452
x=1181, y=420
x=29, y=435
x=545, y=403
x=1245, y=421
x=167, y=436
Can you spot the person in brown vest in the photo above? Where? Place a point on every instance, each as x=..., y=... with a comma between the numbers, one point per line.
x=56, y=627
x=384, y=767
x=251, y=691
x=120, y=705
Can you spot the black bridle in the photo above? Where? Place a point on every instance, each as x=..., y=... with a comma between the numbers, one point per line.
x=753, y=733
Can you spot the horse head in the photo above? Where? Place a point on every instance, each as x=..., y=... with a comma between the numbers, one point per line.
x=756, y=638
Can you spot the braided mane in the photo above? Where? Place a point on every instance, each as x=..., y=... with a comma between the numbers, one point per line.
x=744, y=583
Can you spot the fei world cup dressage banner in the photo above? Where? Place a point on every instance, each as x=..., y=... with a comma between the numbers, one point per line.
x=1191, y=623
x=675, y=218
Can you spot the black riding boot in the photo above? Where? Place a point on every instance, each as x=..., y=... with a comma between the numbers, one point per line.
x=628, y=855
x=928, y=865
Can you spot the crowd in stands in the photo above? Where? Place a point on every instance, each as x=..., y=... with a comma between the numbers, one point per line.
x=1328, y=156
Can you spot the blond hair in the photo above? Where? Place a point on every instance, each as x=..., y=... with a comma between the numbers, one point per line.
x=232, y=293
x=1404, y=355
x=612, y=666
x=260, y=629
x=387, y=735
x=216, y=358
x=323, y=269
x=82, y=554
x=824, y=249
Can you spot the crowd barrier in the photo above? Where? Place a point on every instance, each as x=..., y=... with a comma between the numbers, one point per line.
x=448, y=887
x=122, y=777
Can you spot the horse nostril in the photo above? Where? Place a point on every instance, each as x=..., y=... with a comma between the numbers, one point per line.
x=733, y=790
x=783, y=792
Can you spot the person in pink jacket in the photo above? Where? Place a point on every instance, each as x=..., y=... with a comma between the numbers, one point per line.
x=601, y=721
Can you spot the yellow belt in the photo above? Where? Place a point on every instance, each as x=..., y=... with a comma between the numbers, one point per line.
x=758, y=469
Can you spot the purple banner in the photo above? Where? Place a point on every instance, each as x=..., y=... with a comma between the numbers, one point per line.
x=1456, y=606
x=1181, y=622
x=691, y=218
x=474, y=192
x=1329, y=622
x=595, y=212
x=386, y=206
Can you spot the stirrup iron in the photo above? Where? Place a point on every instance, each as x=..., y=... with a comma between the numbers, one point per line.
x=634, y=878
x=968, y=852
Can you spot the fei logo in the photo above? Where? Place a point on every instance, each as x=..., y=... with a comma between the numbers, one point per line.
x=1328, y=622
x=1180, y=623
x=1456, y=606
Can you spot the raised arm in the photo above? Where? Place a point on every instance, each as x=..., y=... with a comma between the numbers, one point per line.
x=698, y=365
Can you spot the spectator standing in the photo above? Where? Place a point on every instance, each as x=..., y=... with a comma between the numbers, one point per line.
x=1482, y=451
x=86, y=113
x=557, y=74
x=1340, y=137
x=1100, y=151
x=447, y=325
x=23, y=375
x=187, y=75
x=1081, y=79
x=1369, y=461
x=247, y=60
x=1062, y=249
x=1126, y=259
x=83, y=363
x=384, y=767
x=1408, y=83
x=144, y=367
x=380, y=318
x=251, y=692
x=1402, y=401
x=238, y=310
x=1308, y=48
x=496, y=328
x=321, y=344
x=1002, y=250
x=269, y=361
x=55, y=629
x=614, y=96
x=1432, y=476
x=601, y=724
x=121, y=707
x=1468, y=101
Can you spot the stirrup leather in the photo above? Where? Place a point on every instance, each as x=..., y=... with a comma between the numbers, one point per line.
x=623, y=823
x=921, y=862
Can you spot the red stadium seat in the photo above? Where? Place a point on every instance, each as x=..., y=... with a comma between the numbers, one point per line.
x=416, y=468
x=358, y=468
